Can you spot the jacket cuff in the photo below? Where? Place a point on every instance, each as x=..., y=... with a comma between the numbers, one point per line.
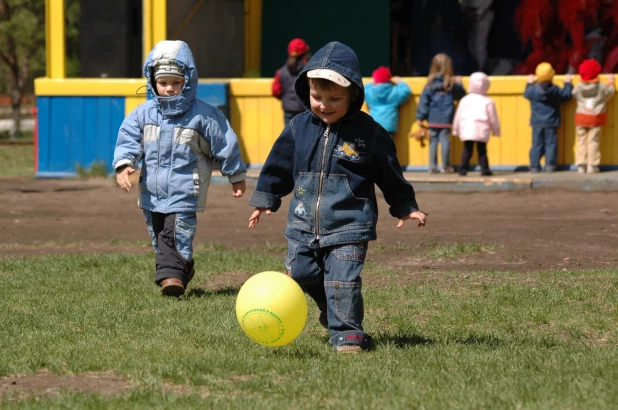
x=265, y=200
x=402, y=210
x=237, y=178
x=123, y=163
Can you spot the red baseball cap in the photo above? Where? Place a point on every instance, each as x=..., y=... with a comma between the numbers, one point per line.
x=297, y=47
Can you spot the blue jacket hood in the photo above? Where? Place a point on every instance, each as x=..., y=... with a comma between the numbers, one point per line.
x=177, y=52
x=338, y=57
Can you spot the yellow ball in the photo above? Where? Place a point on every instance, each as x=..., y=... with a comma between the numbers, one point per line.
x=271, y=309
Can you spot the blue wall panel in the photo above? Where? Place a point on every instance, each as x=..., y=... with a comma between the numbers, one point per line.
x=77, y=131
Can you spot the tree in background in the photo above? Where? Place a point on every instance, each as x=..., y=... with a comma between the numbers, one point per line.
x=22, y=48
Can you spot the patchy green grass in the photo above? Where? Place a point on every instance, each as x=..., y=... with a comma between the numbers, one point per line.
x=494, y=340
x=16, y=160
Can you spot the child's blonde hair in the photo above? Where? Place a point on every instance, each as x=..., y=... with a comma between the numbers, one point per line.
x=442, y=64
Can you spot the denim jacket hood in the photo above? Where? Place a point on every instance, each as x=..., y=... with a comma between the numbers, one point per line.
x=332, y=169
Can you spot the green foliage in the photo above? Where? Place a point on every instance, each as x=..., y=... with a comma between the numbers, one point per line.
x=497, y=340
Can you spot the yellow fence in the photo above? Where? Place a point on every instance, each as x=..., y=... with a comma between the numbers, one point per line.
x=258, y=120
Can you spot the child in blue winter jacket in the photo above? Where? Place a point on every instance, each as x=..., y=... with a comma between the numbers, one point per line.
x=178, y=140
x=437, y=108
x=384, y=96
x=545, y=119
x=331, y=157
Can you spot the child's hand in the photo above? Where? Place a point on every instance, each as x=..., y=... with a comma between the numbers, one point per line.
x=255, y=216
x=238, y=188
x=568, y=78
x=420, y=215
x=458, y=79
x=610, y=79
x=122, y=178
x=531, y=79
x=396, y=79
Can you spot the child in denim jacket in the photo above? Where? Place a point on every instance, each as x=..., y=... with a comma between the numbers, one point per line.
x=331, y=157
x=178, y=138
x=545, y=119
x=437, y=108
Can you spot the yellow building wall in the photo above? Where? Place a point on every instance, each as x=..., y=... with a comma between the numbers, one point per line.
x=257, y=118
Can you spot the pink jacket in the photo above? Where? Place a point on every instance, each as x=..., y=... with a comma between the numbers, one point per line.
x=476, y=113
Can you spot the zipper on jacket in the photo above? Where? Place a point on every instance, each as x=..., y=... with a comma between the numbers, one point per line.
x=317, y=205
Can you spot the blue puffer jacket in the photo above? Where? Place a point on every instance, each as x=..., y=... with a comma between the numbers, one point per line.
x=333, y=169
x=383, y=100
x=179, y=139
x=545, y=100
x=437, y=105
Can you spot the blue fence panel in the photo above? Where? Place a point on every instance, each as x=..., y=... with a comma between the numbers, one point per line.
x=77, y=132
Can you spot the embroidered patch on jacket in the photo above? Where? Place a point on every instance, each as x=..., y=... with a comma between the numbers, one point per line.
x=300, y=209
x=300, y=190
x=348, y=151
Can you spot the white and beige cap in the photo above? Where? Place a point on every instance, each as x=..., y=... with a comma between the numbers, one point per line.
x=330, y=75
x=167, y=68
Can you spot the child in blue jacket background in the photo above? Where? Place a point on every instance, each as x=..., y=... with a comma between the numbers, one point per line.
x=437, y=108
x=331, y=157
x=384, y=96
x=545, y=119
x=178, y=139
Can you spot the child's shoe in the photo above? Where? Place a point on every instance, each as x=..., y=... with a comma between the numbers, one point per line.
x=462, y=172
x=535, y=170
x=581, y=169
x=447, y=170
x=349, y=349
x=487, y=173
x=172, y=287
x=434, y=170
x=592, y=169
x=550, y=168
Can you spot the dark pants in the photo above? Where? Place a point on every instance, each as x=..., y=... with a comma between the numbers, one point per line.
x=466, y=155
x=288, y=115
x=172, y=239
x=544, y=142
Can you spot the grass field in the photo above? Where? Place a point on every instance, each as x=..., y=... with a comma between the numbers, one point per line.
x=481, y=341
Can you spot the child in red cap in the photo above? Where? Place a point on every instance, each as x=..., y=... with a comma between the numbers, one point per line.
x=283, y=83
x=590, y=114
x=384, y=96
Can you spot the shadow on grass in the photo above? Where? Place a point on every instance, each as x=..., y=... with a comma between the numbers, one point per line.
x=401, y=339
x=204, y=293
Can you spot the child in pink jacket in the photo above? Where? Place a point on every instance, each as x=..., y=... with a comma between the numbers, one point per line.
x=474, y=120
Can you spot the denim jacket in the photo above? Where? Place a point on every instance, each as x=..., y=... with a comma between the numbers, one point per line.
x=437, y=105
x=332, y=169
x=179, y=139
x=545, y=100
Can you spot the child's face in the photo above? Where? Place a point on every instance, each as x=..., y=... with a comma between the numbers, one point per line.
x=169, y=86
x=329, y=105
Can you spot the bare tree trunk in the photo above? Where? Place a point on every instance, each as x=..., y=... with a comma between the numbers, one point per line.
x=15, y=130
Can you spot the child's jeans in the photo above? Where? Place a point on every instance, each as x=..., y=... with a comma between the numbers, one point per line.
x=331, y=276
x=172, y=239
x=588, y=140
x=442, y=135
x=544, y=142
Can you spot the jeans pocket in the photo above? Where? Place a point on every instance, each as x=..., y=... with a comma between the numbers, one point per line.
x=186, y=226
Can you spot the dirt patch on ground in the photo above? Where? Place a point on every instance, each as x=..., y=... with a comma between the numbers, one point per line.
x=520, y=231
x=47, y=384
